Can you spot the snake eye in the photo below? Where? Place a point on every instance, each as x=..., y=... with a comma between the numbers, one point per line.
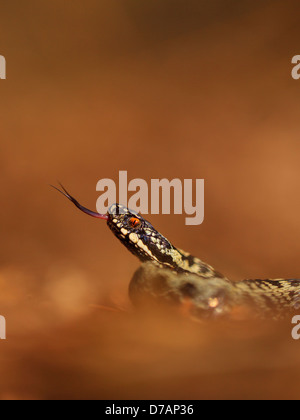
x=134, y=222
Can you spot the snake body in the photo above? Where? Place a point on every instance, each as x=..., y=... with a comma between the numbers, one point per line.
x=172, y=275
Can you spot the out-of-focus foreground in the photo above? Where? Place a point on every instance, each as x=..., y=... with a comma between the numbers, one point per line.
x=168, y=89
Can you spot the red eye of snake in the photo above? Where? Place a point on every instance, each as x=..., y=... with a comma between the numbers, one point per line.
x=135, y=222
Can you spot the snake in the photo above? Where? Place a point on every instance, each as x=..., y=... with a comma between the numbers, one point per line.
x=170, y=275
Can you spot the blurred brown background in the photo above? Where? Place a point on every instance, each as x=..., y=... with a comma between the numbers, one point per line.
x=169, y=89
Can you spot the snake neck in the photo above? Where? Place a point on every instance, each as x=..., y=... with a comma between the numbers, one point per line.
x=180, y=261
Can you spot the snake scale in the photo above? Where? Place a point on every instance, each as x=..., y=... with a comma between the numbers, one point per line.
x=172, y=275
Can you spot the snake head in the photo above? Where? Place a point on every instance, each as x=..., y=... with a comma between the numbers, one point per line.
x=136, y=233
x=139, y=236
